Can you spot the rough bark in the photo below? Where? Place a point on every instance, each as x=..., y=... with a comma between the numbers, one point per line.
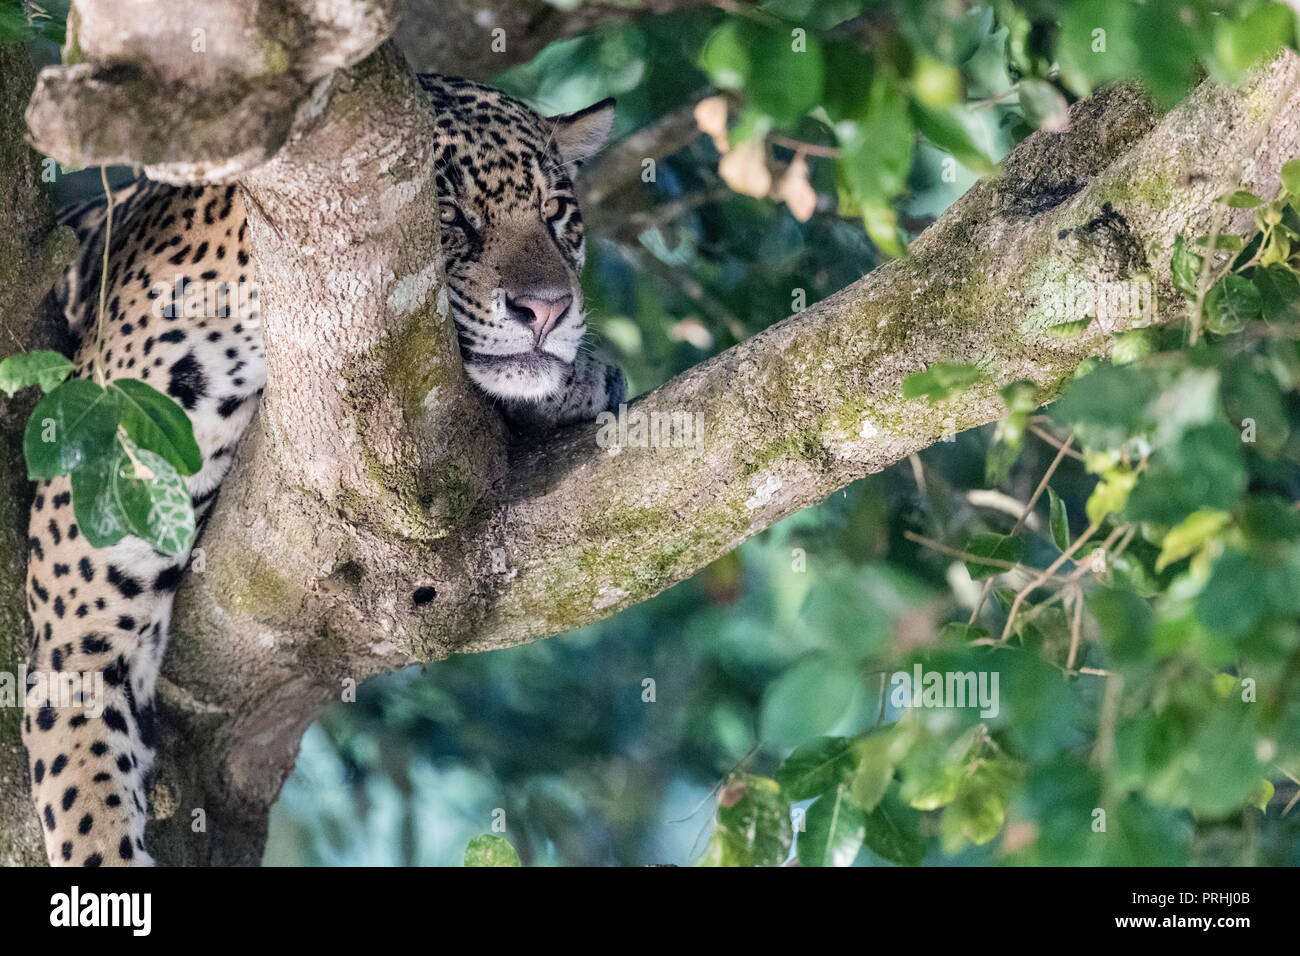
x=31, y=255
x=373, y=471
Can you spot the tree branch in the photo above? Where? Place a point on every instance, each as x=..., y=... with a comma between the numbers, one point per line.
x=815, y=402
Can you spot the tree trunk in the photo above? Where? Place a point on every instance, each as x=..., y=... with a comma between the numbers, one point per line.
x=32, y=254
x=373, y=471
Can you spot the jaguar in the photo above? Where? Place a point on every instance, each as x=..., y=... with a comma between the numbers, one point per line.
x=512, y=249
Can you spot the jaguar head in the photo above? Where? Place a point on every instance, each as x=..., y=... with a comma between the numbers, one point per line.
x=512, y=235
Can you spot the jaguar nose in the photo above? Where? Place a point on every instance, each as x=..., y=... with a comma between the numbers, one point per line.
x=540, y=313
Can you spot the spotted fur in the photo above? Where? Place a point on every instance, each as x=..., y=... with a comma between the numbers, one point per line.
x=513, y=251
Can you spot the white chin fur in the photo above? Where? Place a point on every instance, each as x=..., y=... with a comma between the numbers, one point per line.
x=531, y=377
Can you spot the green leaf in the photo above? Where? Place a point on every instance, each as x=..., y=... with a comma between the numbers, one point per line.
x=1186, y=268
x=1001, y=457
x=44, y=368
x=1133, y=345
x=1224, y=685
x=816, y=767
x=1221, y=766
x=942, y=380
x=807, y=700
x=1043, y=105
x=1231, y=304
x=756, y=828
x=878, y=755
x=1279, y=292
x=986, y=544
x=491, y=850
x=74, y=423
x=930, y=784
x=878, y=149
x=1252, y=392
x=881, y=223
x=1038, y=709
x=1262, y=794
x=1241, y=199
x=1227, y=242
x=787, y=82
x=156, y=423
x=715, y=852
x=1190, y=535
x=849, y=76
x=1271, y=519
x=1230, y=604
x=1058, y=520
x=98, y=511
x=979, y=809
x=834, y=831
x=945, y=131
x=113, y=497
x=1240, y=44
x=1168, y=49
x=14, y=27
x=779, y=80
x=961, y=632
x=1139, y=834
x=725, y=56
x=1069, y=330
x=1205, y=468
x=1114, y=398
x=1059, y=795
x=1111, y=494
x=893, y=832
x=1244, y=587
x=1125, y=621
x=1097, y=43
x=1291, y=177
x=1021, y=396
x=157, y=503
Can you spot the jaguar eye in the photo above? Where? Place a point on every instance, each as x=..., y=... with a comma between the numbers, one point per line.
x=448, y=213
x=554, y=207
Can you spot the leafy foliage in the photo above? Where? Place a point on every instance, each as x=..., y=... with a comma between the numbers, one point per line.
x=22, y=21
x=125, y=445
x=790, y=71
x=491, y=850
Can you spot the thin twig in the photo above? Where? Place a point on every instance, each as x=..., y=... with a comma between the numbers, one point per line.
x=974, y=558
x=918, y=473
x=1062, y=450
x=1076, y=627
x=103, y=275
x=1110, y=704
x=996, y=500
x=1053, y=441
x=812, y=149
x=1045, y=576
x=1203, y=282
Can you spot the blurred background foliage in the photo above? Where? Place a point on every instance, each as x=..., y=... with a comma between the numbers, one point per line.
x=796, y=144
x=808, y=158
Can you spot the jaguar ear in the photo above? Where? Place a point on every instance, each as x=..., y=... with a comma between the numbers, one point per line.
x=579, y=136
